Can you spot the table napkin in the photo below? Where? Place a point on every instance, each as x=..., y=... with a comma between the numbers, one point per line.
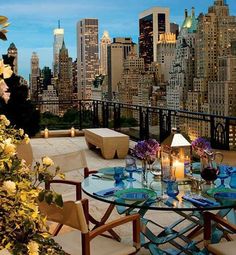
x=106, y=192
x=201, y=201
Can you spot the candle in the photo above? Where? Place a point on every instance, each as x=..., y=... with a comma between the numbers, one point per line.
x=179, y=169
x=72, y=132
x=45, y=133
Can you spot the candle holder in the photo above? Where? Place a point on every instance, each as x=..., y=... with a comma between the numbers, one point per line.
x=45, y=133
x=72, y=132
x=176, y=152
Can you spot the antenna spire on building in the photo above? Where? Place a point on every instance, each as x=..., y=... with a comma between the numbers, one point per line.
x=59, y=24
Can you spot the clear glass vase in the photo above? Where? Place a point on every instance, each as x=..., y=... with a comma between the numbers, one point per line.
x=144, y=173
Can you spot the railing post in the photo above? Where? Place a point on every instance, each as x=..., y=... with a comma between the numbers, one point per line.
x=141, y=136
x=95, y=114
x=146, y=133
x=105, y=114
x=116, y=116
x=80, y=115
x=165, y=124
x=143, y=123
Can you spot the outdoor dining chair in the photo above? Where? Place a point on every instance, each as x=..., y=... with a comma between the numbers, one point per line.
x=83, y=241
x=213, y=221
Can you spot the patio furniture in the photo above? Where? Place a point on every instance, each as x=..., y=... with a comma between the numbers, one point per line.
x=84, y=241
x=211, y=222
x=180, y=233
x=24, y=151
x=109, y=141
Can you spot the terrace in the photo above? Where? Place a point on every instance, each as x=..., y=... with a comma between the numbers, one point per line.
x=65, y=145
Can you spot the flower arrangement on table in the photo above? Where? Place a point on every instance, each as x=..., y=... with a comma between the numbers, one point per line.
x=200, y=146
x=23, y=229
x=146, y=149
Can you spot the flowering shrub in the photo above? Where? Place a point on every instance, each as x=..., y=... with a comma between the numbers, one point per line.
x=23, y=229
x=200, y=145
x=145, y=149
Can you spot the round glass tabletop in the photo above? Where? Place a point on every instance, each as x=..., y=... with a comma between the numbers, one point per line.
x=154, y=196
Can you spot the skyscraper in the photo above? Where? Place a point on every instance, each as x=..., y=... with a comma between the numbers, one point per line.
x=12, y=51
x=87, y=56
x=104, y=42
x=183, y=69
x=34, y=76
x=64, y=77
x=117, y=52
x=57, y=44
x=216, y=30
x=152, y=23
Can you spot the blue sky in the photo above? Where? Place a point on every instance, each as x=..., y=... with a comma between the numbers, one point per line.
x=33, y=21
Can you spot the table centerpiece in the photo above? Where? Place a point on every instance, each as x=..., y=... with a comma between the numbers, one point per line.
x=146, y=151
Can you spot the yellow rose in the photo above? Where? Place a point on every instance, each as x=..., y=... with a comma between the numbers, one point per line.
x=21, y=131
x=9, y=148
x=47, y=161
x=26, y=139
x=9, y=186
x=33, y=248
x=4, y=119
x=7, y=72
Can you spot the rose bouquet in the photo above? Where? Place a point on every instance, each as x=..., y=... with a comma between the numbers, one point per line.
x=23, y=229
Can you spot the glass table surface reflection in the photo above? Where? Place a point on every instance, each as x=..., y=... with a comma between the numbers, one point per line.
x=93, y=184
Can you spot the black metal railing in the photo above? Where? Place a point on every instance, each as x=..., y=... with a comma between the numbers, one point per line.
x=142, y=122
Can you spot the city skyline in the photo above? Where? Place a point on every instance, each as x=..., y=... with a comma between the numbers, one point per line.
x=32, y=24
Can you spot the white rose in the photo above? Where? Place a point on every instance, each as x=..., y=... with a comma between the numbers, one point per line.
x=9, y=186
x=33, y=248
x=47, y=161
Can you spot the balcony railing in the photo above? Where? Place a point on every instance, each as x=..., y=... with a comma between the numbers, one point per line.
x=142, y=122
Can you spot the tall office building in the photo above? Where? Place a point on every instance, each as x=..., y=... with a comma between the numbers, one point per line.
x=104, y=42
x=34, y=76
x=152, y=23
x=216, y=30
x=183, y=69
x=87, y=56
x=165, y=55
x=174, y=29
x=117, y=52
x=64, y=77
x=57, y=44
x=12, y=52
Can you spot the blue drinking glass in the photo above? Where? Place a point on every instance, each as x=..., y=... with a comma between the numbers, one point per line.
x=130, y=167
x=232, y=182
x=118, y=175
x=223, y=174
x=172, y=189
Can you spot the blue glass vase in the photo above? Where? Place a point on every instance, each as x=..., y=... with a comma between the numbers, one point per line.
x=232, y=182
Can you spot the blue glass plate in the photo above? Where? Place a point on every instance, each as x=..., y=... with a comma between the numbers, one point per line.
x=226, y=195
x=135, y=194
x=211, y=192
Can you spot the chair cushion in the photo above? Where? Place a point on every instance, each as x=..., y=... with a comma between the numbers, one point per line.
x=71, y=244
x=223, y=248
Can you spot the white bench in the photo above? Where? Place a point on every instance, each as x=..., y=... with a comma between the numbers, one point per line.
x=109, y=141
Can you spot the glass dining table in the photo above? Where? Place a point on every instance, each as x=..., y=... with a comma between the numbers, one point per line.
x=131, y=196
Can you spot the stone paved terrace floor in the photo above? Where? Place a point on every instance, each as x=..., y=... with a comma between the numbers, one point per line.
x=61, y=145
